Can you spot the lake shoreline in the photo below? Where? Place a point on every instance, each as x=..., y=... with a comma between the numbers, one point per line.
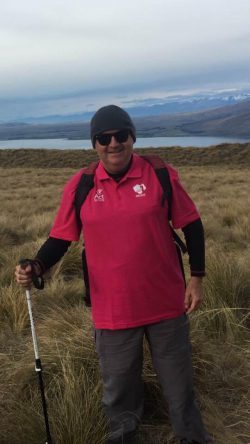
x=141, y=142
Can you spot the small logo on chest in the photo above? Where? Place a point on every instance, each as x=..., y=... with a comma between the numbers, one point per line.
x=139, y=190
x=99, y=195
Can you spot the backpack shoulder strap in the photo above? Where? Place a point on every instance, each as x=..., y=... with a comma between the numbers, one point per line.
x=84, y=186
x=161, y=171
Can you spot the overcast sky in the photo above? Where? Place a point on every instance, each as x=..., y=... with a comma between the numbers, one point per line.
x=63, y=57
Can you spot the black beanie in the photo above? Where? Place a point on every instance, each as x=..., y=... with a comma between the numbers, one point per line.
x=110, y=117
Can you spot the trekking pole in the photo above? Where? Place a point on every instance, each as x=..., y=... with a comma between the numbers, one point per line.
x=38, y=364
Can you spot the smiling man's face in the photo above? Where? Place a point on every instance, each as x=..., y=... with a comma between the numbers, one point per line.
x=115, y=155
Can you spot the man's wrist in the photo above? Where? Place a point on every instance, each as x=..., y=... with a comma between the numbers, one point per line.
x=197, y=279
x=38, y=267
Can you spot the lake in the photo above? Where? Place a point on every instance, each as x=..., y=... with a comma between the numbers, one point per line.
x=141, y=142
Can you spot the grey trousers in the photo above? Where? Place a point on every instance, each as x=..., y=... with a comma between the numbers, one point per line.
x=121, y=357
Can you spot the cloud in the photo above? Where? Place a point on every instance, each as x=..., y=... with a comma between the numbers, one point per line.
x=63, y=49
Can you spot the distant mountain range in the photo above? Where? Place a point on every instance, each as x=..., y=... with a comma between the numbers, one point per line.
x=230, y=120
x=227, y=121
x=155, y=106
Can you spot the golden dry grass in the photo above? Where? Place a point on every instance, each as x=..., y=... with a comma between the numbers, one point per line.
x=220, y=329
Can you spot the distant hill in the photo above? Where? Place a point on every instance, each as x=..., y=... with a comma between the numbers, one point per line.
x=227, y=121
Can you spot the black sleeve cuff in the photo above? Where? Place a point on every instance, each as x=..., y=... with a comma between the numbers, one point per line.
x=197, y=273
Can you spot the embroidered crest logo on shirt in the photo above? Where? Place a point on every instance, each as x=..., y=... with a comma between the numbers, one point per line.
x=139, y=190
x=99, y=196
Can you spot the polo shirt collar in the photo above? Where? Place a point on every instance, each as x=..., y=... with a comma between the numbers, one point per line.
x=135, y=169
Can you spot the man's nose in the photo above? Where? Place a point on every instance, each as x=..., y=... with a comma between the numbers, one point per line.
x=113, y=141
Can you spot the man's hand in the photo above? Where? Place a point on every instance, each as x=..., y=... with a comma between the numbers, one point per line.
x=193, y=294
x=23, y=275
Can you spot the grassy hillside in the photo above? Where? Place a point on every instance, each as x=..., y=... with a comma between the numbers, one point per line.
x=225, y=154
x=29, y=196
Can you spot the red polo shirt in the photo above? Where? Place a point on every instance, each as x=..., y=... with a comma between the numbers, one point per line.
x=135, y=277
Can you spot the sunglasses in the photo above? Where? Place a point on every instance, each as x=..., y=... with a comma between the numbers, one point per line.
x=105, y=139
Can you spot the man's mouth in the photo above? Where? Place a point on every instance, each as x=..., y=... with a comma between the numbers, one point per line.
x=117, y=151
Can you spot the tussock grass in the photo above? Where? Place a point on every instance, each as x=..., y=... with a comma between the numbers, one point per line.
x=219, y=330
x=13, y=310
x=223, y=154
x=70, y=265
x=226, y=303
x=76, y=395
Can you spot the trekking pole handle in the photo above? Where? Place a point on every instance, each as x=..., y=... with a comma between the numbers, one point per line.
x=38, y=281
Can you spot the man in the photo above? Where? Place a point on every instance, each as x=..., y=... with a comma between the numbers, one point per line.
x=137, y=287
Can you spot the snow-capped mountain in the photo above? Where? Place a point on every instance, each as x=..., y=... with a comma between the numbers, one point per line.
x=155, y=106
x=188, y=103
